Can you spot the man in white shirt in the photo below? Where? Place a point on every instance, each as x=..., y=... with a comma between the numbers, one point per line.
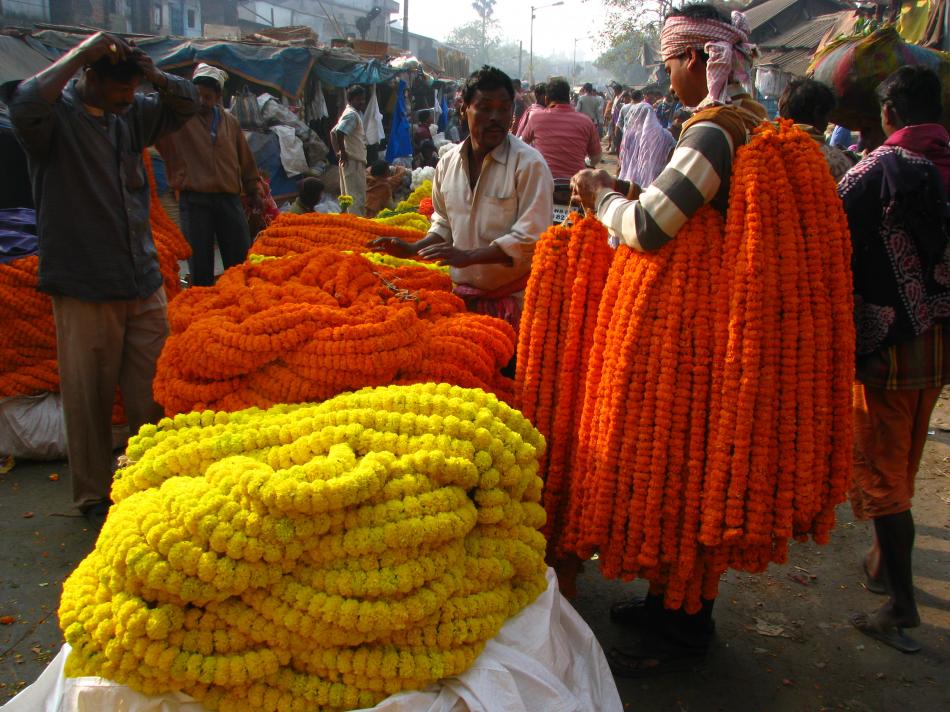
x=349, y=141
x=493, y=197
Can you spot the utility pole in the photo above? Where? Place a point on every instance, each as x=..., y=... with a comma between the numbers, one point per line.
x=405, y=25
x=531, y=44
x=520, y=53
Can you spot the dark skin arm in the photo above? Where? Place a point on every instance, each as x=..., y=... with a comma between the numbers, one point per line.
x=433, y=247
x=336, y=141
x=52, y=79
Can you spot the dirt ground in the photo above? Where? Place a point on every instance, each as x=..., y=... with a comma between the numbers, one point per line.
x=784, y=642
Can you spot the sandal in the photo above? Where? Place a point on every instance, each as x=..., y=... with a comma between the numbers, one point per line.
x=632, y=612
x=890, y=635
x=656, y=658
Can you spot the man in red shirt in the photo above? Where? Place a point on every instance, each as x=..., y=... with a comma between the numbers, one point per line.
x=564, y=136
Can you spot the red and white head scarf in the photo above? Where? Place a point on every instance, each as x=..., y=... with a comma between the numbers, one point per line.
x=728, y=47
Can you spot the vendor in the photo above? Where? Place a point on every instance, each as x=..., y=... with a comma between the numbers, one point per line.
x=210, y=165
x=493, y=197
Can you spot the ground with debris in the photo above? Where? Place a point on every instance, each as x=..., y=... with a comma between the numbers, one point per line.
x=784, y=643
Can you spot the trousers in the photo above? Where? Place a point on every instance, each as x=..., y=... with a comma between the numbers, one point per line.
x=206, y=217
x=353, y=183
x=101, y=346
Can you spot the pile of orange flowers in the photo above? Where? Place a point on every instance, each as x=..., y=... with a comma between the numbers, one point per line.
x=568, y=274
x=27, y=333
x=293, y=234
x=312, y=325
x=716, y=422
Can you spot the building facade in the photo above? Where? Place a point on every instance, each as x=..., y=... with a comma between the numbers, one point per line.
x=329, y=19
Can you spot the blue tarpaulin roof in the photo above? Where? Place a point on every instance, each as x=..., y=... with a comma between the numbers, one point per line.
x=283, y=69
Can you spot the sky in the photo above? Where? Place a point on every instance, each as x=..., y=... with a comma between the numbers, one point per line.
x=555, y=28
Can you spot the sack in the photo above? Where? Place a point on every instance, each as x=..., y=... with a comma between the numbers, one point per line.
x=245, y=108
x=34, y=428
x=854, y=66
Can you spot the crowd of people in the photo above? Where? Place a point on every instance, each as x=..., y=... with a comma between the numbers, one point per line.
x=492, y=196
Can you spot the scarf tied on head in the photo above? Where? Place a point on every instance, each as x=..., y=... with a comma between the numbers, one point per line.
x=730, y=52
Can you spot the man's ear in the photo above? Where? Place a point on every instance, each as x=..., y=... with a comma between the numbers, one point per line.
x=693, y=58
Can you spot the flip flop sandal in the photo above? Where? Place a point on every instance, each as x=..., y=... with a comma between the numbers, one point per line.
x=631, y=611
x=870, y=583
x=648, y=661
x=892, y=636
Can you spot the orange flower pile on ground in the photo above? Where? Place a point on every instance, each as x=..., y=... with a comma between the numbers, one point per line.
x=568, y=274
x=716, y=421
x=310, y=326
x=293, y=234
x=27, y=333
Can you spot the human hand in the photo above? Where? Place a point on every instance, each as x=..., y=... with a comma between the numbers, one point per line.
x=344, y=159
x=153, y=74
x=447, y=254
x=586, y=184
x=100, y=45
x=392, y=246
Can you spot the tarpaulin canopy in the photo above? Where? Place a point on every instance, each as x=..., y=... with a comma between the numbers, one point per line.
x=18, y=60
x=282, y=69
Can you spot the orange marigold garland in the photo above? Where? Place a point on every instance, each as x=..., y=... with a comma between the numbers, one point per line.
x=291, y=234
x=568, y=276
x=312, y=325
x=27, y=333
x=715, y=422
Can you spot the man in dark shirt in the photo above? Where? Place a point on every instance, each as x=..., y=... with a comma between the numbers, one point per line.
x=84, y=140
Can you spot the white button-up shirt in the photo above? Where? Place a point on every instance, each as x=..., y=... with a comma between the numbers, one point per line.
x=511, y=206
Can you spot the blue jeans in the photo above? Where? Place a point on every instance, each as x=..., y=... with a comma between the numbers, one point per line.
x=208, y=216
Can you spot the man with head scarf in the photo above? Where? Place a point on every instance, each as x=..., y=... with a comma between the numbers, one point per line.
x=708, y=58
x=211, y=166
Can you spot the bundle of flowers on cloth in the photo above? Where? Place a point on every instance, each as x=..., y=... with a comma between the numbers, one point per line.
x=311, y=325
x=709, y=422
x=326, y=556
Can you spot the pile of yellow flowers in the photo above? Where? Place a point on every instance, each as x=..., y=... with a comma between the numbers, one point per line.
x=314, y=556
x=415, y=197
x=409, y=221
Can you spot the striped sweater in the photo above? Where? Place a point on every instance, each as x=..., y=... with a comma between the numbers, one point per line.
x=698, y=173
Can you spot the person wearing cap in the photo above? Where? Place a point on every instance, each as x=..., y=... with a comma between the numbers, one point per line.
x=210, y=166
x=84, y=138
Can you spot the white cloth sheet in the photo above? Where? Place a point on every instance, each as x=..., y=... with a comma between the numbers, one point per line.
x=545, y=658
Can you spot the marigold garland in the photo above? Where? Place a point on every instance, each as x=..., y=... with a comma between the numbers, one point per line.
x=27, y=334
x=309, y=326
x=715, y=422
x=292, y=234
x=568, y=275
x=319, y=556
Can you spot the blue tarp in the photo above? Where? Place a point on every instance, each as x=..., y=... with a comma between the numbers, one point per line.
x=400, y=140
x=17, y=234
x=283, y=69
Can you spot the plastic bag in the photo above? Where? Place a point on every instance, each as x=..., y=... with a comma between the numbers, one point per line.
x=34, y=428
x=245, y=108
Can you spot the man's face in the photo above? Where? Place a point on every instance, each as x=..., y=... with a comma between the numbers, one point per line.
x=489, y=116
x=688, y=77
x=111, y=96
x=208, y=97
x=358, y=102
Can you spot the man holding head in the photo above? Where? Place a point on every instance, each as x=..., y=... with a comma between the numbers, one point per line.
x=493, y=197
x=84, y=139
x=210, y=166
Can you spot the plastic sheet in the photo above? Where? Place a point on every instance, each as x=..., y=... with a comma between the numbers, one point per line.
x=545, y=658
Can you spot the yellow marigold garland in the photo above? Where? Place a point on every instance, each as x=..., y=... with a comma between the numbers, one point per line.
x=312, y=557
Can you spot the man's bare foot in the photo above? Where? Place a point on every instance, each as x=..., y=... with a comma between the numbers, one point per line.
x=887, y=626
